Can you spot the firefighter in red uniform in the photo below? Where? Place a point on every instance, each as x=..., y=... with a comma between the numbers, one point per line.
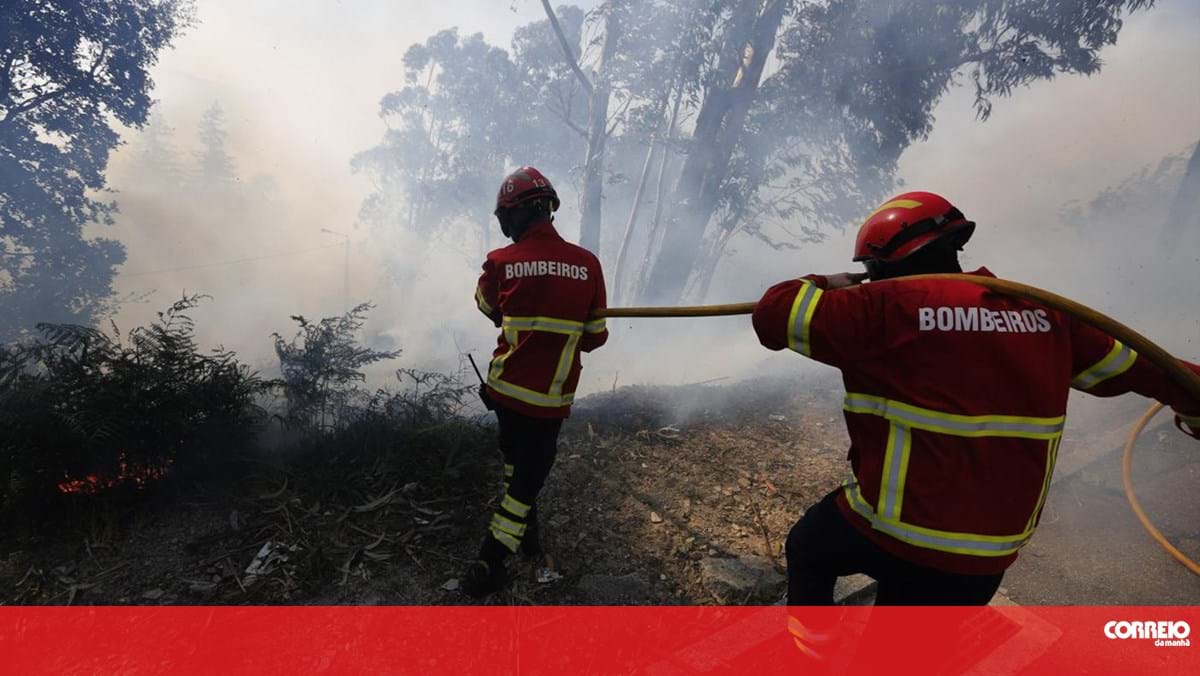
x=955, y=404
x=541, y=291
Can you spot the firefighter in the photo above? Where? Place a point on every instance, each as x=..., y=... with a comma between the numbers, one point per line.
x=955, y=405
x=541, y=292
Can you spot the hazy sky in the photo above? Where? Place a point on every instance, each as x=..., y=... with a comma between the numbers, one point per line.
x=301, y=80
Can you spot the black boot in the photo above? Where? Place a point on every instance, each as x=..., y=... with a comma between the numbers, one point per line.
x=531, y=542
x=482, y=579
x=486, y=575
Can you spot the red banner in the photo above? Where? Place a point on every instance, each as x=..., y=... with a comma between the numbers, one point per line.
x=663, y=641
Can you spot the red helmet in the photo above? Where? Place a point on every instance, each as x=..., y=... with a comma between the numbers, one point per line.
x=906, y=223
x=523, y=185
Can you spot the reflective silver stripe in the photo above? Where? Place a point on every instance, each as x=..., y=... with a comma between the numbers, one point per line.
x=507, y=540
x=954, y=424
x=958, y=543
x=529, y=396
x=508, y=525
x=1118, y=360
x=1189, y=420
x=554, y=398
x=547, y=324
x=595, y=326
x=514, y=506
x=800, y=318
x=895, y=466
x=1051, y=458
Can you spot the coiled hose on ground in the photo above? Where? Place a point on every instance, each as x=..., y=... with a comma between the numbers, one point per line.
x=1183, y=376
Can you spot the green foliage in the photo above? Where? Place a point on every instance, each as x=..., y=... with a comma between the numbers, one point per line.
x=79, y=405
x=427, y=428
x=70, y=73
x=321, y=367
x=465, y=113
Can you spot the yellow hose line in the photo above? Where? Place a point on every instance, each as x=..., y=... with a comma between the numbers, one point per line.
x=680, y=311
x=1182, y=375
x=1127, y=480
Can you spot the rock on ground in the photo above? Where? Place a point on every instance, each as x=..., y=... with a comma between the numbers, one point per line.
x=745, y=579
x=613, y=590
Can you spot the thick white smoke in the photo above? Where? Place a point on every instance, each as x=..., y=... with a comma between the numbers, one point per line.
x=300, y=84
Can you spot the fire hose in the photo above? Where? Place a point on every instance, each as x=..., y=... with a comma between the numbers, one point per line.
x=1182, y=375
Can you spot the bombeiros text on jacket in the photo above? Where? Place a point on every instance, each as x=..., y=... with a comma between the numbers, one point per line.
x=545, y=268
x=982, y=319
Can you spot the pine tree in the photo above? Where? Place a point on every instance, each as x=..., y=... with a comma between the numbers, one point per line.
x=158, y=160
x=216, y=168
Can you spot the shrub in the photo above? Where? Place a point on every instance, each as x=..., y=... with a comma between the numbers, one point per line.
x=321, y=367
x=81, y=410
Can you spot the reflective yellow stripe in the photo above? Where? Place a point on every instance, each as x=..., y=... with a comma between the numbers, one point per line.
x=566, y=359
x=946, y=541
x=514, y=506
x=507, y=540
x=902, y=204
x=800, y=318
x=508, y=470
x=895, y=470
x=547, y=324
x=508, y=525
x=953, y=424
x=1051, y=458
x=554, y=398
x=481, y=301
x=510, y=337
x=595, y=326
x=529, y=396
x=1118, y=360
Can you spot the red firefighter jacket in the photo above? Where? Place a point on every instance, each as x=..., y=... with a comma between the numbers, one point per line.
x=541, y=291
x=955, y=404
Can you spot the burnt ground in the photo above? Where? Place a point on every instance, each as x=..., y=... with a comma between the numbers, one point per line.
x=654, y=489
x=648, y=483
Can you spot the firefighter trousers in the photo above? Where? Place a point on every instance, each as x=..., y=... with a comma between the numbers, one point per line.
x=824, y=546
x=529, y=446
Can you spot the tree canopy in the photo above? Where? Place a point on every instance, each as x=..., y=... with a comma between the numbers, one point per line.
x=773, y=119
x=70, y=73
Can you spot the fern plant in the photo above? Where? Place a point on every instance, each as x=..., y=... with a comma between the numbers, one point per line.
x=82, y=410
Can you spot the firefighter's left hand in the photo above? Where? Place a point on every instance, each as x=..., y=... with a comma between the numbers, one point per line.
x=843, y=279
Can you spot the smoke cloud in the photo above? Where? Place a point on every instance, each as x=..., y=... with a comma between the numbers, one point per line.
x=300, y=83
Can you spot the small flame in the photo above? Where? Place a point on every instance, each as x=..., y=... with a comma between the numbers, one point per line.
x=138, y=477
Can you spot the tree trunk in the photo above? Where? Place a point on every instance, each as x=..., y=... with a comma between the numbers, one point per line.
x=707, y=266
x=660, y=197
x=1185, y=208
x=592, y=200
x=719, y=127
x=623, y=252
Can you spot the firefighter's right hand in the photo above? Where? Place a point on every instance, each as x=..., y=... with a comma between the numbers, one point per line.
x=843, y=279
